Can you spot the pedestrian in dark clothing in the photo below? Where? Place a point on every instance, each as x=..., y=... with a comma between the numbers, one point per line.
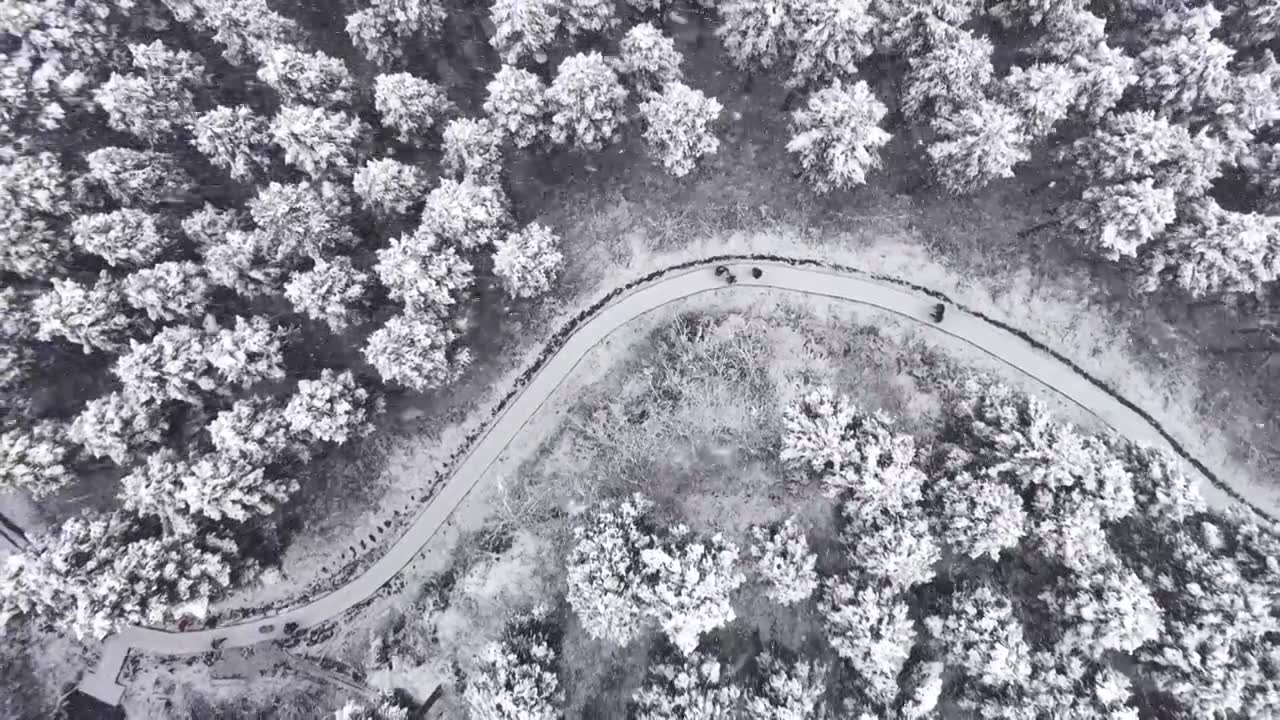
x=721, y=271
x=938, y=311
x=756, y=272
x=731, y=279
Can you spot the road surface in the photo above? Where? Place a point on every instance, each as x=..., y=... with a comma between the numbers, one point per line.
x=1001, y=342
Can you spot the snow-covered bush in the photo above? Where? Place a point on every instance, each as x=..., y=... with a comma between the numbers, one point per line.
x=981, y=636
x=897, y=548
x=139, y=177
x=788, y=691
x=604, y=569
x=424, y=273
x=820, y=432
x=332, y=292
x=318, y=141
x=694, y=687
x=1042, y=95
x=225, y=488
x=301, y=219
x=381, y=30
x=869, y=626
x=91, y=316
x=306, y=78
x=528, y=261
x=467, y=213
x=833, y=37
x=209, y=225
x=386, y=709
x=417, y=350
x=472, y=149
x=648, y=59
x=593, y=17
x=122, y=237
x=169, y=291
x=686, y=585
x=524, y=28
x=838, y=136
x=240, y=261
x=757, y=33
x=34, y=458
x=1184, y=70
x=389, y=187
x=148, y=109
x=785, y=562
x=117, y=427
x=1216, y=252
x=172, y=365
x=587, y=102
x=332, y=408
x=977, y=144
x=979, y=515
x=410, y=105
x=678, y=127
x=1139, y=145
x=517, y=105
x=1109, y=609
x=234, y=139
x=254, y=430
x=250, y=352
x=1118, y=220
x=952, y=74
x=515, y=679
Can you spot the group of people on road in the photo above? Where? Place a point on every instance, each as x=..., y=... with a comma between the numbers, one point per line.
x=939, y=309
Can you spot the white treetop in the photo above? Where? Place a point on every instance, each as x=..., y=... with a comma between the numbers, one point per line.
x=981, y=636
x=979, y=515
x=1118, y=220
x=221, y=487
x=1041, y=94
x=122, y=237
x=172, y=365
x=587, y=102
x=381, y=30
x=144, y=107
x=169, y=291
x=1217, y=252
x=678, y=127
x=528, y=261
x=91, y=316
x=648, y=59
x=234, y=139
x=757, y=33
x=1109, y=609
x=524, y=28
x=976, y=145
x=240, y=261
x=820, y=432
x=1163, y=493
x=467, y=213
x=922, y=692
x=789, y=691
x=32, y=187
x=409, y=105
x=318, y=141
x=517, y=105
x=209, y=225
x=950, y=75
x=687, y=584
x=691, y=688
x=249, y=353
x=332, y=292
x=1184, y=70
x=417, y=350
x=881, y=474
x=425, y=274
x=587, y=16
x=118, y=427
x=332, y=408
x=389, y=187
x=472, y=149
x=838, y=136
x=301, y=219
x=1252, y=22
x=94, y=576
x=1138, y=145
x=254, y=430
x=32, y=458
x=386, y=709
x=515, y=679
x=785, y=562
x=870, y=627
x=139, y=177
x=604, y=570
x=898, y=549
x=303, y=78
x=248, y=28
x=833, y=36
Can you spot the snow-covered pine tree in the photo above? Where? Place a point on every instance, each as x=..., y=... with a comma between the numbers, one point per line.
x=678, y=129
x=587, y=102
x=332, y=408
x=837, y=136
x=527, y=261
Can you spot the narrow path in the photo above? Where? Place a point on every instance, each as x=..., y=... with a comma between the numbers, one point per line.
x=1004, y=343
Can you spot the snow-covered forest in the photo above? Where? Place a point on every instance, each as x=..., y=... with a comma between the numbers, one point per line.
x=234, y=232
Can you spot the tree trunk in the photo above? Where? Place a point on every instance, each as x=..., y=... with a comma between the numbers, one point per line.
x=1028, y=232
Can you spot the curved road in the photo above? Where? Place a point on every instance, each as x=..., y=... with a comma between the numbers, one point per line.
x=1002, y=343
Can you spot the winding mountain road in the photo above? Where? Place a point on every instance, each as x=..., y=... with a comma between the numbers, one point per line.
x=656, y=290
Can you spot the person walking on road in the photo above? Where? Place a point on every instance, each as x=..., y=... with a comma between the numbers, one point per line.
x=938, y=311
